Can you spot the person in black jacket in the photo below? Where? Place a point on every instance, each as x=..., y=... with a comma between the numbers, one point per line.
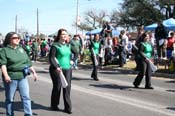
x=161, y=35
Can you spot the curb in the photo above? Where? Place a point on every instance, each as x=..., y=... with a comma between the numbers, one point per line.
x=130, y=71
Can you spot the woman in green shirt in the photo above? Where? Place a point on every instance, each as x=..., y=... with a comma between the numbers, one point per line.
x=95, y=48
x=146, y=52
x=15, y=67
x=59, y=57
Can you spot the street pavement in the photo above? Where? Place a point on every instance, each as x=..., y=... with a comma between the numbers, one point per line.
x=113, y=95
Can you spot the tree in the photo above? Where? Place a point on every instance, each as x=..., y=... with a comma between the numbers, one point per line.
x=143, y=12
x=93, y=19
x=135, y=13
x=167, y=7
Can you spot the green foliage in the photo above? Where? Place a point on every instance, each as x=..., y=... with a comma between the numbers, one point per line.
x=144, y=12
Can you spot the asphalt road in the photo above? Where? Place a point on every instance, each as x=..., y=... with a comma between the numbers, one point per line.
x=113, y=95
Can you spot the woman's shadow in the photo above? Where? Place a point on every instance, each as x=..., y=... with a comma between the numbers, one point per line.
x=18, y=107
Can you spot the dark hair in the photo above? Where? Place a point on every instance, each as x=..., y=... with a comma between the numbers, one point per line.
x=143, y=36
x=94, y=39
x=122, y=32
x=59, y=34
x=172, y=33
x=8, y=37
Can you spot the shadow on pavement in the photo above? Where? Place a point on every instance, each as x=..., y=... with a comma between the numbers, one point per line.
x=170, y=90
x=41, y=71
x=112, y=86
x=171, y=108
x=173, y=81
x=18, y=107
x=79, y=79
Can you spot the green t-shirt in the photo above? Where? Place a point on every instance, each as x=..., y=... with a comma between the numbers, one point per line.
x=96, y=47
x=76, y=46
x=35, y=46
x=15, y=61
x=28, y=49
x=63, y=55
x=147, y=49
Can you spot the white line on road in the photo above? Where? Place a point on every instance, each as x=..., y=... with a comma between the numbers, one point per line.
x=121, y=99
x=122, y=83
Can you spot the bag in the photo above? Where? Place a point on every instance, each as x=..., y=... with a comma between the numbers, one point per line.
x=26, y=71
x=102, y=52
x=64, y=83
x=152, y=66
x=161, y=42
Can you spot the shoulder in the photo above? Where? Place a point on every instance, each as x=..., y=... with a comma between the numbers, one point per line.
x=56, y=44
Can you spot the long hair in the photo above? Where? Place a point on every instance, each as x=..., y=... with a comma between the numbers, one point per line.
x=143, y=36
x=59, y=34
x=8, y=38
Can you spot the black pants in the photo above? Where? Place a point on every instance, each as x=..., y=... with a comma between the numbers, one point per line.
x=145, y=70
x=161, y=50
x=94, y=71
x=122, y=56
x=56, y=91
x=138, y=61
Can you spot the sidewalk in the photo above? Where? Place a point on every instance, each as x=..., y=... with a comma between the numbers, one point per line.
x=129, y=69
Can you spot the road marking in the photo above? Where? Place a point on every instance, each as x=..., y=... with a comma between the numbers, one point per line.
x=121, y=99
x=124, y=83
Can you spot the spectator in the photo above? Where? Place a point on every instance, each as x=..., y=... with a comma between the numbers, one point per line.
x=123, y=41
x=161, y=35
x=137, y=58
x=35, y=49
x=76, y=50
x=170, y=42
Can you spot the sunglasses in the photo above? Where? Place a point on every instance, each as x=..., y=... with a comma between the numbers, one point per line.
x=15, y=37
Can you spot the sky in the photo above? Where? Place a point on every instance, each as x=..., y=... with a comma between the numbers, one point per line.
x=53, y=14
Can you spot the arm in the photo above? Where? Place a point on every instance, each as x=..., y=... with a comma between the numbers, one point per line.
x=52, y=59
x=5, y=74
x=34, y=73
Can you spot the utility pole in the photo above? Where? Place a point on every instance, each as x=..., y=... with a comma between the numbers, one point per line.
x=77, y=16
x=37, y=24
x=16, y=21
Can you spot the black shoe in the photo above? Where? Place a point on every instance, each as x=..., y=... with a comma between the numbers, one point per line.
x=136, y=86
x=96, y=79
x=67, y=111
x=149, y=87
x=55, y=108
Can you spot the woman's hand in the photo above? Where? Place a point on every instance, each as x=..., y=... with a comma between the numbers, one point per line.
x=7, y=79
x=34, y=73
x=58, y=69
x=35, y=76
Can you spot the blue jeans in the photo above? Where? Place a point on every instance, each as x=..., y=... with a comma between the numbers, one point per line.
x=10, y=89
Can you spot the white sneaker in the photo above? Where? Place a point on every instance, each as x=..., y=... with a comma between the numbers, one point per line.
x=76, y=68
x=164, y=58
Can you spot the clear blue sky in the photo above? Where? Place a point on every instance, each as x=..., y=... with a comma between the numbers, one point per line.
x=53, y=14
